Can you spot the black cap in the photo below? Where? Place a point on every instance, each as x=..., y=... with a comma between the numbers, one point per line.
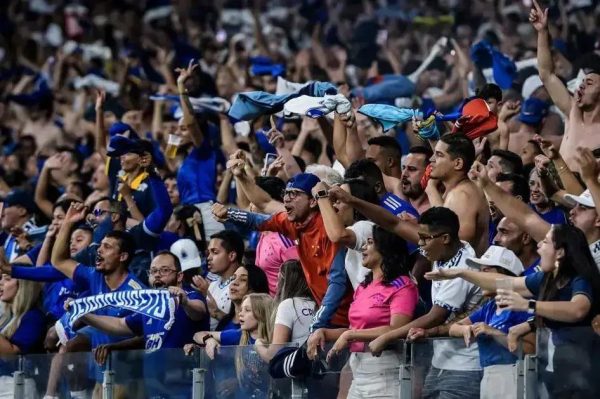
x=20, y=197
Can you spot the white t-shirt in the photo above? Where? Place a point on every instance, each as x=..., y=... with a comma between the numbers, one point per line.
x=460, y=297
x=363, y=229
x=220, y=292
x=296, y=314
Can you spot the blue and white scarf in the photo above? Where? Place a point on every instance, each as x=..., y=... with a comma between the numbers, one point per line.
x=157, y=304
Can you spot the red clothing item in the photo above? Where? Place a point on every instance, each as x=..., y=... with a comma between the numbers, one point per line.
x=316, y=253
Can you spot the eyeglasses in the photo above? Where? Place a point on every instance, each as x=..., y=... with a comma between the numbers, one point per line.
x=163, y=271
x=99, y=212
x=429, y=237
x=292, y=194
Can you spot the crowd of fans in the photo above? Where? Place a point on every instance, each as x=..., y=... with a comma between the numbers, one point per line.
x=347, y=172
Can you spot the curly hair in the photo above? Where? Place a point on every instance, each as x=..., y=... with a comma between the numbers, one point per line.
x=394, y=255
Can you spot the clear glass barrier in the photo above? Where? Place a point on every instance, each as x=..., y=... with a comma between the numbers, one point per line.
x=63, y=375
x=568, y=363
x=8, y=366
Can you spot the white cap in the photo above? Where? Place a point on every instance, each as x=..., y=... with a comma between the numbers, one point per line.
x=530, y=85
x=584, y=199
x=187, y=252
x=497, y=256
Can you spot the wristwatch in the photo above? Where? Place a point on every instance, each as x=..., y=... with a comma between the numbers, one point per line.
x=321, y=194
x=532, y=306
x=206, y=338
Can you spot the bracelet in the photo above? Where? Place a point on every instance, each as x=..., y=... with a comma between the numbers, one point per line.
x=206, y=338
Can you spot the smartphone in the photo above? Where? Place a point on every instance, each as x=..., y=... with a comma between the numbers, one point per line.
x=269, y=159
x=382, y=37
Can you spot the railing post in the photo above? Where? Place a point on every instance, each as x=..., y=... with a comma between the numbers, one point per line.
x=530, y=388
x=406, y=371
x=298, y=389
x=198, y=383
x=108, y=379
x=19, y=381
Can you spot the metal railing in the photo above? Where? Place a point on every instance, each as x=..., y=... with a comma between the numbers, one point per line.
x=239, y=371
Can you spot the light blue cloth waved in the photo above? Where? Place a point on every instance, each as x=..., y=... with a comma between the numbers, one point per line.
x=389, y=116
x=251, y=105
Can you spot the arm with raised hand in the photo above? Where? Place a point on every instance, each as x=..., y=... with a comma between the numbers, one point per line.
x=189, y=120
x=156, y=221
x=567, y=177
x=588, y=167
x=290, y=164
x=41, y=188
x=339, y=140
x=61, y=258
x=378, y=215
x=557, y=90
x=100, y=136
x=334, y=227
x=511, y=207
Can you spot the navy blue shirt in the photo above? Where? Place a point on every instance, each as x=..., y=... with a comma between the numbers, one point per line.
x=490, y=351
x=575, y=286
x=533, y=268
x=28, y=337
x=181, y=332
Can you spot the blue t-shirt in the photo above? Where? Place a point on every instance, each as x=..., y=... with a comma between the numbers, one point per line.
x=181, y=332
x=55, y=294
x=576, y=286
x=554, y=216
x=196, y=178
x=397, y=206
x=533, y=268
x=233, y=337
x=490, y=351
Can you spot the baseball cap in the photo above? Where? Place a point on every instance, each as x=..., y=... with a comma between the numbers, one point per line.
x=188, y=254
x=498, y=257
x=530, y=85
x=121, y=128
x=120, y=145
x=533, y=111
x=304, y=182
x=584, y=199
x=20, y=198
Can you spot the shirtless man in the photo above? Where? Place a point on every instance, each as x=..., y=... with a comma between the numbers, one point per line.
x=583, y=111
x=452, y=159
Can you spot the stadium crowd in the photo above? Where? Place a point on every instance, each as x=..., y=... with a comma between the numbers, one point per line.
x=341, y=174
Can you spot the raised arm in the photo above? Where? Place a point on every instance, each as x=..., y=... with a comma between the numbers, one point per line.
x=339, y=141
x=377, y=214
x=557, y=90
x=189, y=120
x=259, y=197
x=41, y=188
x=334, y=227
x=61, y=258
x=100, y=133
x=156, y=221
x=511, y=207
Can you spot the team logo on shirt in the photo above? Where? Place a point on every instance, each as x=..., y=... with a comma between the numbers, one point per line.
x=378, y=299
x=154, y=341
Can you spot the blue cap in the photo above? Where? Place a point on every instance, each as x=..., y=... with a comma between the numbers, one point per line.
x=20, y=197
x=303, y=181
x=121, y=128
x=533, y=111
x=120, y=145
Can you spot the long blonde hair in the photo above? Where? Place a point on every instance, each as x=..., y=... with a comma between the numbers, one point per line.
x=28, y=294
x=263, y=306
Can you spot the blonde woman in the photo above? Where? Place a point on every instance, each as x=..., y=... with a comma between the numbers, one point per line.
x=256, y=328
x=22, y=327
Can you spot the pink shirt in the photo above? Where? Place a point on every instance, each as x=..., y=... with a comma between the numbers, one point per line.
x=374, y=305
x=272, y=250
